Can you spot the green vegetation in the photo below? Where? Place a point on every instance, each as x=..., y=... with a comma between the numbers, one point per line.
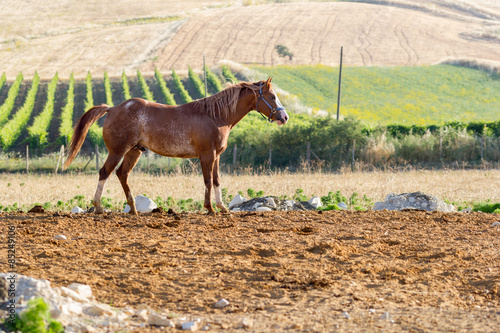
x=125, y=87
x=228, y=75
x=423, y=95
x=66, y=127
x=35, y=319
x=95, y=131
x=283, y=51
x=39, y=130
x=3, y=78
x=213, y=81
x=197, y=83
x=148, y=95
x=12, y=129
x=167, y=95
x=184, y=95
x=107, y=90
x=8, y=104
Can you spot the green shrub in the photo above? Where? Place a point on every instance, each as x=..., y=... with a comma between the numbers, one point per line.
x=228, y=75
x=107, y=90
x=148, y=95
x=167, y=95
x=36, y=319
x=39, y=130
x=66, y=126
x=8, y=104
x=213, y=81
x=125, y=86
x=196, y=81
x=185, y=98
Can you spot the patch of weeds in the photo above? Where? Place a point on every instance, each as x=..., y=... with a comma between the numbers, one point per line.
x=254, y=194
x=36, y=318
x=299, y=195
x=486, y=207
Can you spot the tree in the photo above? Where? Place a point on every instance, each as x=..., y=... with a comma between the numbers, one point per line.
x=283, y=51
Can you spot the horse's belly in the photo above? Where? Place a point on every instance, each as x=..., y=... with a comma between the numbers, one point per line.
x=173, y=145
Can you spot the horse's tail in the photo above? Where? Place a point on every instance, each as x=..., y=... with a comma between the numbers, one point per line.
x=81, y=130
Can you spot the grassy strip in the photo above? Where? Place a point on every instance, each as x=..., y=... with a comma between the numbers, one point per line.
x=66, y=126
x=95, y=131
x=148, y=95
x=12, y=129
x=228, y=75
x=3, y=78
x=198, y=84
x=8, y=104
x=39, y=130
x=107, y=90
x=185, y=98
x=420, y=95
x=125, y=87
x=167, y=95
x=213, y=80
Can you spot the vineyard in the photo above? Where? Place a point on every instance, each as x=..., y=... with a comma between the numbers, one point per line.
x=433, y=115
x=42, y=114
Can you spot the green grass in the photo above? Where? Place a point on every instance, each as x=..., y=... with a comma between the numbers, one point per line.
x=385, y=95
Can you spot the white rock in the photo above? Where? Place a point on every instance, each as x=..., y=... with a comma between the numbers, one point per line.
x=82, y=289
x=315, y=202
x=73, y=294
x=263, y=209
x=466, y=210
x=77, y=210
x=414, y=200
x=270, y=202
x=222, y=303
x=157, y=320
x=142, y=314
x=495, y=224
x=386, y=316
x=289, y=203
x=246, y=323
x=142, y=205
x=98, y=310
x=346, y=315
x=190, y=326
x=257, y=205
x=342, y=205
x=237, y=200
x=60, y=237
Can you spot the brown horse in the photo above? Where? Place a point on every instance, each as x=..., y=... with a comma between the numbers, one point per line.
x=197, y=129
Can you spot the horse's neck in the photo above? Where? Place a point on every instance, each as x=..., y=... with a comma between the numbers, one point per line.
x=246, y=103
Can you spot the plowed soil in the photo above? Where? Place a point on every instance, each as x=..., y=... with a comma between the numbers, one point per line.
x=285, y=271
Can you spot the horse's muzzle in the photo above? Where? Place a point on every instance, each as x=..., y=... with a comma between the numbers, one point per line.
x=282, y=117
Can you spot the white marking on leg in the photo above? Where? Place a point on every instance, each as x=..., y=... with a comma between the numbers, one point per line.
x=98, y=192
x=218, y=195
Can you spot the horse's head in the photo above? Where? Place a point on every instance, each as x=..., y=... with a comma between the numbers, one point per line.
x=269, y=105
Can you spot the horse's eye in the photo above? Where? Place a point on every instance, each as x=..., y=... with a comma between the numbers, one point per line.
x=273, y=97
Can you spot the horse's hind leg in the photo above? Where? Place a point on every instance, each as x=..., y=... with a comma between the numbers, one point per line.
x=217, y=190
x=129, y=162
x=106, y=170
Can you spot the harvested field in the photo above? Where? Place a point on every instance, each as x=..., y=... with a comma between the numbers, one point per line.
x=285, y=271
x=103, y=36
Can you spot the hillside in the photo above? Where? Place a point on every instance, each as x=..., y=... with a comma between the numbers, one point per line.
x=383, y=95
x=69, y=36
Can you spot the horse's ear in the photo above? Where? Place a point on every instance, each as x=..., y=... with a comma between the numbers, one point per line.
x=268, y=82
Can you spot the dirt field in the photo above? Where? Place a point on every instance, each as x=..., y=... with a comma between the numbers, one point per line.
x=100, y=36
x=289, y=271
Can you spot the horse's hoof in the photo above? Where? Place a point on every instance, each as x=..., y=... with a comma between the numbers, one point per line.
x=132, y=212
x=99, y=210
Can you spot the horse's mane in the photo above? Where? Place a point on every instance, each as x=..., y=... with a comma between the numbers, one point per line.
x=223, y=104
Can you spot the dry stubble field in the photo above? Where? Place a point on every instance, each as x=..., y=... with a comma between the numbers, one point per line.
x=100, y=36
x=282, y=271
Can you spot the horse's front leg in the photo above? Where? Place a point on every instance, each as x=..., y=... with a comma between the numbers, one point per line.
x=207, y=166
x=217, y=190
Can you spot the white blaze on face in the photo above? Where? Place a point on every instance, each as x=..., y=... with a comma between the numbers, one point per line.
x=278, y=103
x=281, y=112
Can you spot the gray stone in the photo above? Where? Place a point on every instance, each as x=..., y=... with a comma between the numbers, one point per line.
x=222, y=303
x=414, y=200
x=60, y=237
x=342, y=205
